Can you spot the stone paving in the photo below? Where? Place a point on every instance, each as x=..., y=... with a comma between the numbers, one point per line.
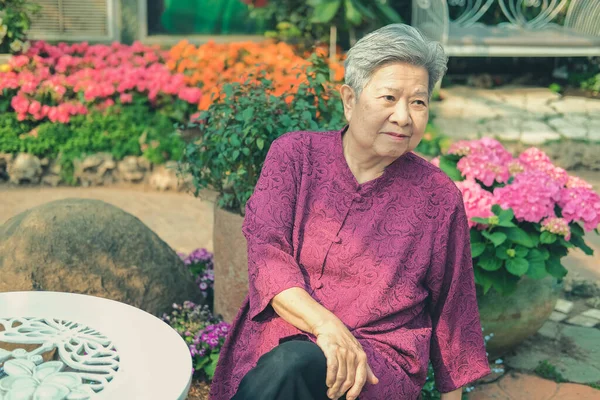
x=529, y=115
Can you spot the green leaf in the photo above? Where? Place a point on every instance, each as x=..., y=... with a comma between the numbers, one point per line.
x=449, y=167
x=483, y=279
x=497, y=237
x=576, y=229
x=518, y=236
x=477, y=249
x=364, y=10
x=517, y=266
x=388, y=12
x=547, y=237
x=506, y=224
x=537, y=270
x=352, y=14
x=506, y=217
x=210, y=368
x=325, y=11
x=202, y=362
x=496, y=209
x=555, y=268
x=535, y=238
x=490, y=263
x=579, y=242
x=521, y=252
x=537, y=264
x=562, y=241
x=501, y=253
x=479, y=220
x=260, y=143
x=235, y=140
x=235, y=155
x=475, y=236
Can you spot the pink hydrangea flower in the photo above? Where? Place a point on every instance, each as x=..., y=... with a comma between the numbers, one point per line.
x=575, y=181
x=532, y=196
x=486, y=160
x=558, y=226
x=580, y=204
x=478, y=202
x=533, y=157
x=461, y=148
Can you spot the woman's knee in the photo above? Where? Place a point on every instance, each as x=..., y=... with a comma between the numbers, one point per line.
x=296, y=356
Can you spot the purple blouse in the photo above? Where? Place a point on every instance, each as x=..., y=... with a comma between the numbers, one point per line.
x=390, y=257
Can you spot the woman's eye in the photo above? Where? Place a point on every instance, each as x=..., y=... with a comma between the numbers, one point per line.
x=389, y=98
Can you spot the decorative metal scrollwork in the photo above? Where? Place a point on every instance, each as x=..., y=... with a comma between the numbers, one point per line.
x=472, y=11
x=518, y=12
x=88, y=360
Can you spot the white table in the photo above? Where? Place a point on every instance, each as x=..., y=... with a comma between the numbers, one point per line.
x=109, y=350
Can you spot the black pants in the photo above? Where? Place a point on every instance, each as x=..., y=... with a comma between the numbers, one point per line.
x=294, y=370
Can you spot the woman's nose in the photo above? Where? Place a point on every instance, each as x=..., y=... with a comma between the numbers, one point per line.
x=401, y=114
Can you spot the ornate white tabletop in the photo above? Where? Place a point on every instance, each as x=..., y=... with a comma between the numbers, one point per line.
x=99, y=349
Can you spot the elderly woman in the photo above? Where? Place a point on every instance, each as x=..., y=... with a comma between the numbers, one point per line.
x=359, y=260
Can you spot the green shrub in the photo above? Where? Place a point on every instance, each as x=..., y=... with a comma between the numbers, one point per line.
x=237, y=131
x=15, y=20
x=131, y=130
x=433, y=143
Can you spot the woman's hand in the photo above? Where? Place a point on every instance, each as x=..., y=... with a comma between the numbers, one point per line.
x=347, y=366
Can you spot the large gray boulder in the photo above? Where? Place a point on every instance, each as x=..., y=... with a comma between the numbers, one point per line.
x=91, y=247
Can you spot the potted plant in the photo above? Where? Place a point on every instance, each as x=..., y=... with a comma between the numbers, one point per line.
x=234, y=136
x=525, y=216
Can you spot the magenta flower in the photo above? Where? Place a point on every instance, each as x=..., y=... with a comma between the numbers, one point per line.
x=478, y=202
x=532, y=196
x=580, y=204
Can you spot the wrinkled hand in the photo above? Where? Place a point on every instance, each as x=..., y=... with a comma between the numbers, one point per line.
x=347, y=367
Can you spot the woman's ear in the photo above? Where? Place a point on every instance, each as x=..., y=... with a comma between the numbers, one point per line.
x=349, y=100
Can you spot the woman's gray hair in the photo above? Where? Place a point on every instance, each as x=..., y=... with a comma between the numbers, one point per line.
x=390, y=44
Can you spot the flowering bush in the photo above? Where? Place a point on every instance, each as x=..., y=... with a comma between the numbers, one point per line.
x=58, y=82
x=212, y=65
x=238, y=130
x=200, y=262
x=525, y=213
x=203, y=332
x=15, y=20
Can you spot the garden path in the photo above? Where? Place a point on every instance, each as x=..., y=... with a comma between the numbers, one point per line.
x=529, y=115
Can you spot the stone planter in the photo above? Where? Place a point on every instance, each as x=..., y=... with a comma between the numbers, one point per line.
x=231, y=263
x=514, y=318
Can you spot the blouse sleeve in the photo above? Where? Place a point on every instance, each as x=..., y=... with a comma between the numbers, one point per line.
x=268, y=230
x=457, y=350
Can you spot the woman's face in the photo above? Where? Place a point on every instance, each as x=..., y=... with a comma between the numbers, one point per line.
x=390, y=116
